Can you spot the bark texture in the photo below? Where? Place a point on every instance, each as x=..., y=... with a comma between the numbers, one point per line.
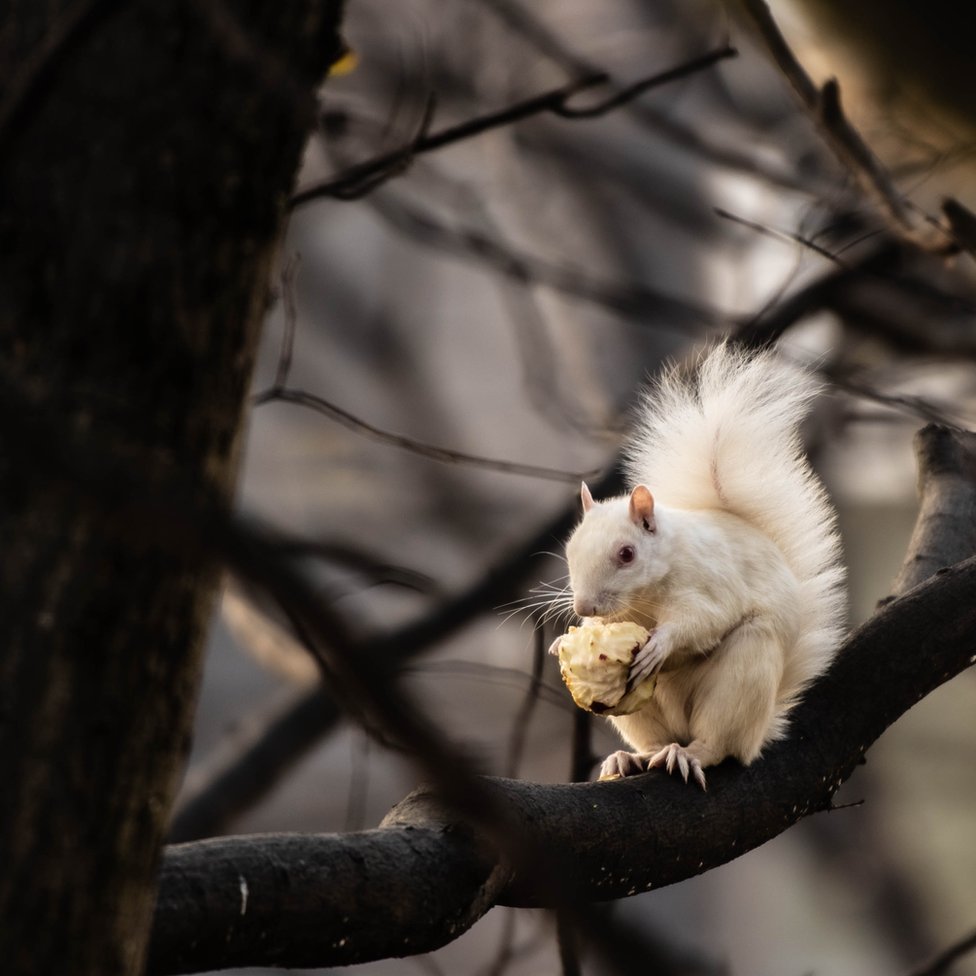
x=146, y=150
x=420, y=880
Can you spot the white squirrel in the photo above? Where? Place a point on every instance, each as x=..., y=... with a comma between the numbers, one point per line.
x=733, y=563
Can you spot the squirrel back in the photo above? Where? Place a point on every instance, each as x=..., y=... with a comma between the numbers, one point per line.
x=726, y=437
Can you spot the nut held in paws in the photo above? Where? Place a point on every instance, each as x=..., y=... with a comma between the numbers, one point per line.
x=594, y=661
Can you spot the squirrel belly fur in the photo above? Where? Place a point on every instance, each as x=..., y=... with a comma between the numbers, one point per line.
x=726, y=549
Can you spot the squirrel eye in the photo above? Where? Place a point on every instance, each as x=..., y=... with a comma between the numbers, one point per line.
x=625, y=554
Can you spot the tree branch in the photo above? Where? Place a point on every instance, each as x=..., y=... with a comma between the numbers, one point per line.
x=945, y=531
x=346, y=883
x=366, y=176
x=852, y=152
x=233, y=784
x=939, y=964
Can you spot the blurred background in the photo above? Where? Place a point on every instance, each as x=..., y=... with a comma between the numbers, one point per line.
x=504, y=297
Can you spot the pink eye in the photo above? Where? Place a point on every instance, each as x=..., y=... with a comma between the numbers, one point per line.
x=626, y=555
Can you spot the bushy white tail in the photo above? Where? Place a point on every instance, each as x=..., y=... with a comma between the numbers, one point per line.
x=727, y=437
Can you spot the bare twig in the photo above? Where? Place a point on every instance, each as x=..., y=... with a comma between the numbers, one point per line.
x=289, y=275
x=520, y=727
x=280, y=392
x=312, y=401
x=906, y=404
x=523, y=21
x=377, y=170
x=236, y=779
x=875, y=294
x=634, y=300
x=824, y=105
x=582, y=757
x=939, y=964
x=236, y=773
x=567, y=938
x=783, y=235
x=629, y=92
x=358, y=784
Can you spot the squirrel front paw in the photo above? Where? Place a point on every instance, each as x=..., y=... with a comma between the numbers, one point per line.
x=650, y=657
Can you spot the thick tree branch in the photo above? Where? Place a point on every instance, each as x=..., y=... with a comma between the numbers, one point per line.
x=945, y=531
x=907, y=650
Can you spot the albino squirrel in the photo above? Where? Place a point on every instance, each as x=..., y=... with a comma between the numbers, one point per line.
x=730, y=558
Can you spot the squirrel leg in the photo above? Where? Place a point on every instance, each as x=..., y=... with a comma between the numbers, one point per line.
x=644, y=730
x=734, y=703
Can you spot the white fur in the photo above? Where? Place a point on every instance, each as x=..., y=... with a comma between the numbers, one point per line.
x=741, y=574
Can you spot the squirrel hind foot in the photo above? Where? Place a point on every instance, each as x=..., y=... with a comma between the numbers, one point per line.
x=672, y=757
x=683, y=759
x=622, y=763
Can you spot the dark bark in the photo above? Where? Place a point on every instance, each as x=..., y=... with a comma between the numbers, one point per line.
x=945, y=531
x=145, y=153
x=610, y=839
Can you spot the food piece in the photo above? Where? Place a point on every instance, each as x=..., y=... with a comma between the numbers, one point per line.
x=594, y=661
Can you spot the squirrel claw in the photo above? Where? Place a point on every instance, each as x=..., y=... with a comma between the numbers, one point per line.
x=554, y=646
x=675, y=755
x=622, y=763
x=648, y=659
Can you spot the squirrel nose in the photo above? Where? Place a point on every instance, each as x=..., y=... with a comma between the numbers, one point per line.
x=584, y=607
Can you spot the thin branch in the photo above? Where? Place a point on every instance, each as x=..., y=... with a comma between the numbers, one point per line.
x=237, y=773
x=358, y=784
x=824, y=105
x=875, y=294
x=523, y=21
x=376, y=170
x=280, y=392
x=311, y=401
x=567, y=938
x=289, y=275
x=520, y=727
x=582, y=757
x=629, y=92
x=636, y=301
x=906, y=404
x=781, y=235
x=939, y=964
x=232, y=782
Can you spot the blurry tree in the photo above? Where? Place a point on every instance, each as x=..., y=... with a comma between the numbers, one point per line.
x=505, y=219
x=145, y=153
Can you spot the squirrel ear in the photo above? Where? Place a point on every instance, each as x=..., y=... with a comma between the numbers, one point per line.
x=586, y=498
x=642, y=508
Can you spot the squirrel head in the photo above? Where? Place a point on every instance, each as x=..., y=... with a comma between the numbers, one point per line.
x=615, y=554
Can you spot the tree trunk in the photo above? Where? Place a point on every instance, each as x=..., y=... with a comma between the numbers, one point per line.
x=146, y=150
